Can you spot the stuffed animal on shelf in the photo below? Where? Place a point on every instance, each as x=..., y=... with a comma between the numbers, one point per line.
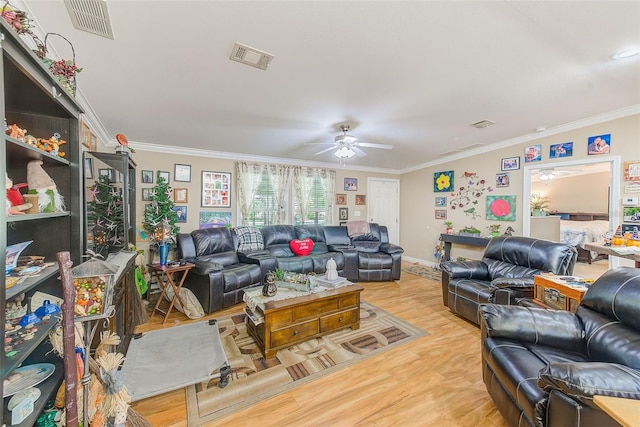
x=49, y=199
x=15, y=132
x=15, y=201
x=52, y=145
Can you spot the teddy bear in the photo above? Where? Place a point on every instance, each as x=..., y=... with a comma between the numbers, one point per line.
x=15, y=132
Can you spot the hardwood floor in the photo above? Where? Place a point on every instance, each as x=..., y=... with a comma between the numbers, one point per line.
x=431, y=381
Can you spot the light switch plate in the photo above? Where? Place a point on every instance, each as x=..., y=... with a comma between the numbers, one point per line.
x=356, y=213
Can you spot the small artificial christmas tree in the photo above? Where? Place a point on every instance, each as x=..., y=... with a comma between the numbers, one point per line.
x=105, y=216
x=159, y=214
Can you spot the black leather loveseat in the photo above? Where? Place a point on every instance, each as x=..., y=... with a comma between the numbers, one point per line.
x=505, y=273
x=543, y=367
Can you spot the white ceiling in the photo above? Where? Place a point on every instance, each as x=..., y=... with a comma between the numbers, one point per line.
x=411, y=74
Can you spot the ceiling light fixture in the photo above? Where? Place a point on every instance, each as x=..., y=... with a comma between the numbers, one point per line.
x=625, y=53
x=546, y=175
x=344, y=152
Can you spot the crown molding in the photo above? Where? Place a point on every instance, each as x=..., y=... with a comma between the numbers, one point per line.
x=594, y=120
x=185, y=151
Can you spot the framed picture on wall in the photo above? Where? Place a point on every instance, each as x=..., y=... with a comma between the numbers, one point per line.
x=182, y=173
x=351, y=184
x=341, y=199
x=343, y=214
x=147, y=194
x=108, y=172
x=147, y=177
x=88, y=167
x=441, y=201
x=510, y=164
x=216, y=189
x=181, y=213
x=502, y=179
x=600, y=144
x=441, y=214
x=181, y=195
x=164, y=175
x=361, y=199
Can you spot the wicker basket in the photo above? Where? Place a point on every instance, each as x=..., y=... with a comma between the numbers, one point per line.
x=64, y=70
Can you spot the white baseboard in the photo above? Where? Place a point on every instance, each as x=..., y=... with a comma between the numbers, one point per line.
x=419, y=261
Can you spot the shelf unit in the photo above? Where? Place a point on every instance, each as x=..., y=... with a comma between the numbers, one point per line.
x=33, y=99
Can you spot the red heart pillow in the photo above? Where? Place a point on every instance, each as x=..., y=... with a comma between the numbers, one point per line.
x=301, y=247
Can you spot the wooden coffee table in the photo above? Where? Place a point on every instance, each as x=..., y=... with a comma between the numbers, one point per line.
x=289, y=321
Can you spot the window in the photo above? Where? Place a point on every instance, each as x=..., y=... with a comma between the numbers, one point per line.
x=264, y=210
x=315, y=209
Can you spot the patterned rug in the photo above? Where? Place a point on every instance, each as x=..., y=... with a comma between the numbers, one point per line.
x=254, y=378
x=423, y=271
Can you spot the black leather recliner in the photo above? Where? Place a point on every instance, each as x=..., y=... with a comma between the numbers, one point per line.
x=505, y=273
x=219, y=278
x=543, y=367
x=378, y=260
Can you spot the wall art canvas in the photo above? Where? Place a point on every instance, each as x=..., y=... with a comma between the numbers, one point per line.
x=341, y=199
x=501, y=208
x=599, y=144
x=510, y=163
x=443, y=182
x=215, y=219
x=502, y=179
x=441, y=214
x=533, y=153
x=561, y=150
x=351, y=184
x=441, y=201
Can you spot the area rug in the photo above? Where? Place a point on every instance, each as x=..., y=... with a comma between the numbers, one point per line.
x=423, y=271
x=254, y=378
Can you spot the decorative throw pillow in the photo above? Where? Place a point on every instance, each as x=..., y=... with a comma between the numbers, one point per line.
x=192, y=309
x=249, y=239
x=301, y=247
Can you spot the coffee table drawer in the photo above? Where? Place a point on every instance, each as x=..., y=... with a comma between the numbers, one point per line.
x=294, y=333
x=339, y=320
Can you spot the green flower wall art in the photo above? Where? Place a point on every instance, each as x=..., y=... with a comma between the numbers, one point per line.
x=443, y=181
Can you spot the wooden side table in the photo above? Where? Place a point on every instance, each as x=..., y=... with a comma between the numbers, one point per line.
x=164, y=275
x=551, y=291
x=624, y=411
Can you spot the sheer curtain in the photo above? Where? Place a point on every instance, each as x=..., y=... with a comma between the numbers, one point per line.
x=280, y=177
x=328, y=179
x=248, y=177
x=303, y=185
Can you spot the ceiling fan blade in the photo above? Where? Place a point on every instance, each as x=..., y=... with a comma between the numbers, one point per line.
x=369, y=144
x=358, y=151
x=325, y=150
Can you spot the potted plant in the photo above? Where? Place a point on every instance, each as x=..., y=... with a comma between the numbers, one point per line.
x=494, y=229
x=539, y=205
x=449, y=226
x=470, y=231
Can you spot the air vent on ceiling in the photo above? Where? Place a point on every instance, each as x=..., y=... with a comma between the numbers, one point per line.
x=483, y=124
x=91, y=16
x=251, y=56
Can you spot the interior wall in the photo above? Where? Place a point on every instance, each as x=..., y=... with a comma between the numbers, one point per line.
x=157, y=161
x=420, y=231
x=563, y=196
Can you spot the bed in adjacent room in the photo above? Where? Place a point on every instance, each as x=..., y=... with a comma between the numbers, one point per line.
x=580, y=228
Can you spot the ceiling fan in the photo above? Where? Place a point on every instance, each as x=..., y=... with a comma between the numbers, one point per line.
x=551, y=173
x=347, y=146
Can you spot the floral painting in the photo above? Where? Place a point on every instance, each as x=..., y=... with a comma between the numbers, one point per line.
x=443, y=181
x=501, y=208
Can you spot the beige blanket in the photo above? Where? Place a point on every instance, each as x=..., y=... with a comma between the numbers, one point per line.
x=357, y=228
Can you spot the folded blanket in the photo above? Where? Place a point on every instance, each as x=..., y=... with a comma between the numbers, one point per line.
x=357, y=228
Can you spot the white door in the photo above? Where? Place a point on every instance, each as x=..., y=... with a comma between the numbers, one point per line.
x=383, y=205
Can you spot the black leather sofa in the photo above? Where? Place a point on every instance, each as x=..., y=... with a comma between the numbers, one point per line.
x=223, y=269
x=505, y=273
x=543, y=367
x=219, y=277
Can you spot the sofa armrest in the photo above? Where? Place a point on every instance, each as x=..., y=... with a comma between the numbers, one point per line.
x=206, y=267
x=554, y=328
x=582, y=380
x=264, y=259
x=470, y=269
x=505, y=282
x=390, y=248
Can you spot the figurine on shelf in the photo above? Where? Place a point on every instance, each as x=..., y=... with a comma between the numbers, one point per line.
x=52, y=145
x=49, y=199
x=618, y=237
x=124, y=144
x=15, y=132
x=15, y=201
